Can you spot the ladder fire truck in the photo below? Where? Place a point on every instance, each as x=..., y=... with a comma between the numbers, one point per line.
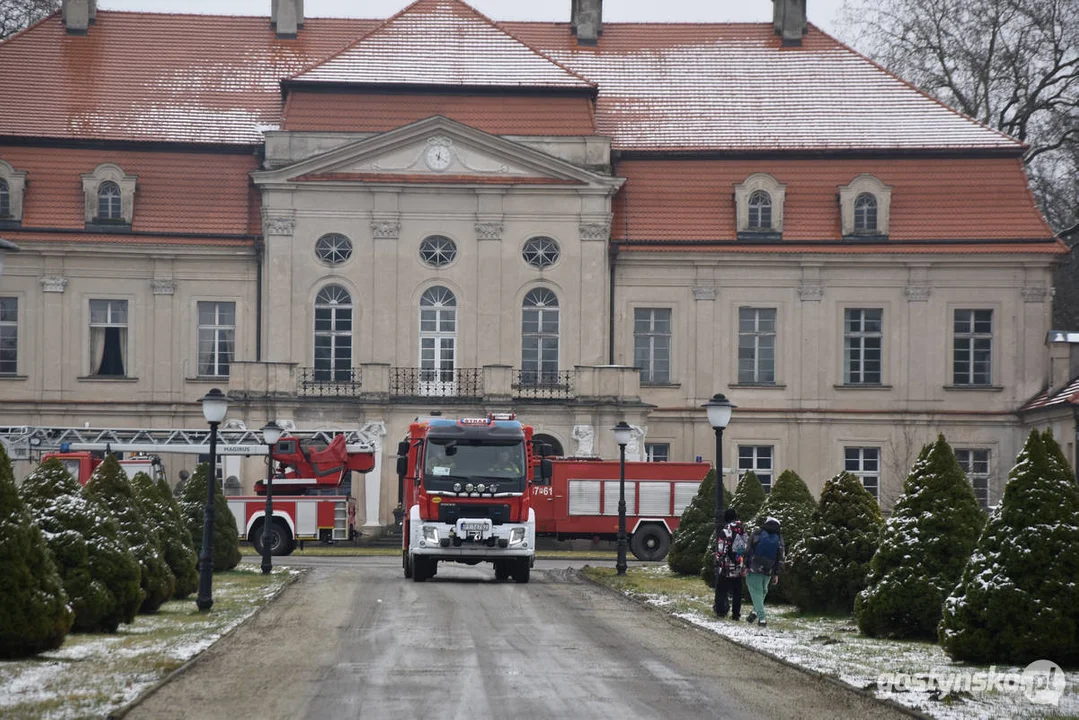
x=310, y=466
x=466, y=492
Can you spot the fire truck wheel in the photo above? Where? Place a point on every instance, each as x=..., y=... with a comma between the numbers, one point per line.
x=420, y=570
x=650, y=542
x=406, y=564
x=502, y=571
x=281, y=542
x=522, y=568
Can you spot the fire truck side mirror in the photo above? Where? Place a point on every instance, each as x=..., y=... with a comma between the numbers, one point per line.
x=402, y=466
x=402, y=448
x=546, y=471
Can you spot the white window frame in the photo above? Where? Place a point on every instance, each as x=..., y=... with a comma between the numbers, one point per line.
x=857, y=340
x=657, y=452
x=745, y=189
x=761, y=460
x=755, y=336
x=9, y=331
x=860, y=466
x=540, y=364
x=980, y=480
x=646, y=342
x=108, y=172
x=438, y=343
x=848, y=194
x=971, y=338
x=219, y=336
x=112, y=307
x=16, y=184
x=340, y=339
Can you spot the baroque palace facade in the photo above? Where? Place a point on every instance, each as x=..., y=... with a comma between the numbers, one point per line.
x=349, y=223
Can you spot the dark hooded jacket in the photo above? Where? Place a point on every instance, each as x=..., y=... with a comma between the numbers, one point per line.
x=772, y=526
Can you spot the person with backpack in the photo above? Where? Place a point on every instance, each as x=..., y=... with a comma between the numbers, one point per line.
x=766, y=554
x=732, y=547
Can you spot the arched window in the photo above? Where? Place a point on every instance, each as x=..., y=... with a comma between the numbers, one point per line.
x=539, y=338
x=865, y=213
x=760, y=211
x=333, y=334
x=438, y=340
x=108, y=201
x=5, y=199
x=556, y=447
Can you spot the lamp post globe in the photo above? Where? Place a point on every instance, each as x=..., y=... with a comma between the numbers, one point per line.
x=271, y=433
x=719, y=410
x=623, y=433
x=214, y=407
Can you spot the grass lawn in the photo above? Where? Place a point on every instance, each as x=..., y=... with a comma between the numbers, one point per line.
x=833, y=646
x=92, y=675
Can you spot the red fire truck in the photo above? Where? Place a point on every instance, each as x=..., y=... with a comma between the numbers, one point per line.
x=582, y=501
x=310, y=468
x=466, y=490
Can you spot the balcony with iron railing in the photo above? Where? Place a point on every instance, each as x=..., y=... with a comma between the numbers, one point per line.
x=383, y=383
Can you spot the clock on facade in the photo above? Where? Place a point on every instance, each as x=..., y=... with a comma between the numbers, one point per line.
x=437, y=157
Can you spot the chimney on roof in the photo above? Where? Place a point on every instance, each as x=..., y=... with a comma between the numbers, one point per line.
x=1063, y=359
x=78, y=15
x=586, y=19
x=789, y=17
x=286, y=17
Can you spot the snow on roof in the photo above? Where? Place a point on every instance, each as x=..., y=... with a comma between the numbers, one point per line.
x=1068, y=395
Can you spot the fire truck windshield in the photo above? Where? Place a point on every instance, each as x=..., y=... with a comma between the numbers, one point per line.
x=451, y=461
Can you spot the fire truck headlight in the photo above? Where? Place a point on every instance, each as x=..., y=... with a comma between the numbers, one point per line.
x=517, y=535
x=457, y=487
x=481, y=487
x=493, y=488
x=468, y=487
x=430, y=534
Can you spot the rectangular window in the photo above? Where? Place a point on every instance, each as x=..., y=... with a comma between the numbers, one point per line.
x=652, y=344
x=862, y=336
x=108, y=337
x=973, y=336
x=975, y=464
x=864, y=462
x=9, y=335
x=217, y=337
x=756, y=346
x=657, y=452
x=757, y=458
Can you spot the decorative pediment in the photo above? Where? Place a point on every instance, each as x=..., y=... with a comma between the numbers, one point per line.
x=440, y=151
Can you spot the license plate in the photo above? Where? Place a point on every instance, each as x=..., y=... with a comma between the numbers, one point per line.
x=473, y=526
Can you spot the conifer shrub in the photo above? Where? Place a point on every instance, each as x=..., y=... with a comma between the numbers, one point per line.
x=100, y=574
x=109, y=486
x=34, y=611
x=1018, y=598
x=695, y=526
x=829, y=567
x=793, y=505
x=226, y=539
x=749, y=496
x=926, y=542
x=175, y=539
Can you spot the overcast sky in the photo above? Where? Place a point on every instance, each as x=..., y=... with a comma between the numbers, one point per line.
x=821, y=12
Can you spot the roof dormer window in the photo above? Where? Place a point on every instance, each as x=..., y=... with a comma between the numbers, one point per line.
x=12, y=183
x=759, y=207
x=760, y=211
x=864, y=208
x=110, y=198
x=865, y=213
x=108, y=202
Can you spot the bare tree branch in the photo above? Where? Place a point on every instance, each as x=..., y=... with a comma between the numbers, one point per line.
x=17, y=14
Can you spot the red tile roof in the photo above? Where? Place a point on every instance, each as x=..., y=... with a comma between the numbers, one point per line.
x=967, y=199
x=215, y=79
x=499, y=115
x=187, y=192
x=443, y=42
x=1068, y=395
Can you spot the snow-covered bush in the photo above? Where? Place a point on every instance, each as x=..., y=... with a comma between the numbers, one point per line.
x=829, y=568
x=100, y=574
x=697, y=523
x=172, y=532
x=1018, y=599
x=926, y=542
x=109, y=486
x=791, y=503
x=34, y=613
x=748, y=497
x=193, y=503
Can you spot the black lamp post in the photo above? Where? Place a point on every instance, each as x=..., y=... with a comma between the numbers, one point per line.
x=271, y=433
x=214, y=407
x=622, y=435
x=719, y=414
